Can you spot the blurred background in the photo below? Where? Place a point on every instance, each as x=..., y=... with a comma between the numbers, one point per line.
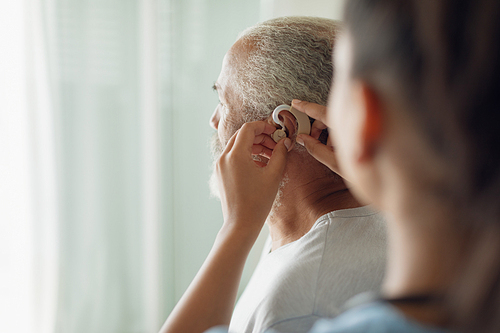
x=105, y=210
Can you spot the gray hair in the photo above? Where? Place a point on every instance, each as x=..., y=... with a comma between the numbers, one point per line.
x=290, y=57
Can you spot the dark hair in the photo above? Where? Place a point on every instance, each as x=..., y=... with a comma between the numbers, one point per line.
x=441, y=59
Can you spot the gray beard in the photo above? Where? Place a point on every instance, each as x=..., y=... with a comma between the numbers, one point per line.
x=216, y=149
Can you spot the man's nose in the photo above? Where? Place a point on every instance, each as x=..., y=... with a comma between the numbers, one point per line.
x=214, y=120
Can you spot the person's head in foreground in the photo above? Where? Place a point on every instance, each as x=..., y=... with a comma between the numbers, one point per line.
x=415, y=118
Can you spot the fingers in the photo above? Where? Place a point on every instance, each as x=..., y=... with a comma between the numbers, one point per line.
x=277, y=161
x=231, y=142
x=313, y=110
x=254, y=138
x=264, y=140
x=324, y=154
x=262, y=151
x=316, y=129
x=260, y=164
x=247, y=134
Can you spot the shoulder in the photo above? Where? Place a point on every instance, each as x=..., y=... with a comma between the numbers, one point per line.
x=363, y=214
x=354, y=257
x=374, y=317
x=361, y=222
x=282, y=289
x=356, y=235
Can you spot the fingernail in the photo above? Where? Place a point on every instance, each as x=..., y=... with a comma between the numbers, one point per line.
x=296, y=101
x=299, y=140
x=288, y=143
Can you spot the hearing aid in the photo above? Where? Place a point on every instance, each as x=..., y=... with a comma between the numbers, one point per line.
x=303, y=125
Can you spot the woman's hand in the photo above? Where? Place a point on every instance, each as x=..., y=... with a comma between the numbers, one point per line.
x=323, y=153
x=247, y=188
x=247, y=193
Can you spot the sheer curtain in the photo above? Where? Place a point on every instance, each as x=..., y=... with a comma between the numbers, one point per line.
x=105, y=209
x=28, y=205
x=16, y=204
x=133, y=100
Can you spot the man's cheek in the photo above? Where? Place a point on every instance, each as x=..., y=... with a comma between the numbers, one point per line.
x=228, y=134
x=226, y=131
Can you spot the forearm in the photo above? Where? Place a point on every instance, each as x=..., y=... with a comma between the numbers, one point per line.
x=247, y=193
x=210, y=298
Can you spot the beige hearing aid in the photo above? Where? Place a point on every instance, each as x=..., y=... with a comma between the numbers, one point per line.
x=303, y=123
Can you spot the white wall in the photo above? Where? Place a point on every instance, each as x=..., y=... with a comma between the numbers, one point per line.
x=323, y=8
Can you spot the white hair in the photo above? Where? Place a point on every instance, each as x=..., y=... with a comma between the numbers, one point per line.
x=289, y=57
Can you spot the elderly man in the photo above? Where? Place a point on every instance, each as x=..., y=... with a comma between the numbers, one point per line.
x=324, y=246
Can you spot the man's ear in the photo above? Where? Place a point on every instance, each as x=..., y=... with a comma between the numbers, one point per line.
x=270, y=121
x=371, y=131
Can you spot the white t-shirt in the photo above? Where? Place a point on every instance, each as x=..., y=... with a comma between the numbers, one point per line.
x=342, y=255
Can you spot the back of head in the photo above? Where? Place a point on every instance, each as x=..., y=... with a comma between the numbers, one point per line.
x=291, y=57
x=440, y=59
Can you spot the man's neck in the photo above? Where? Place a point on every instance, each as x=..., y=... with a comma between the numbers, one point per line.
x=303, y=201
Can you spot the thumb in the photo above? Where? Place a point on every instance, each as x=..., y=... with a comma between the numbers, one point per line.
x=278, y=159
x=323, y=153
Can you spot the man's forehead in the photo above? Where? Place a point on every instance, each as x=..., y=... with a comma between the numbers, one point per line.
x=238, y=54
x=242, y=48
x=233, y=62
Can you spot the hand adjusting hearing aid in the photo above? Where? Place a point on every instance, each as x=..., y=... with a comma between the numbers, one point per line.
x=303, y=123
